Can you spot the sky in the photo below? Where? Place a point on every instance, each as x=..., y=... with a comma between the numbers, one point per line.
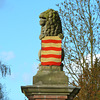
x=19, y=41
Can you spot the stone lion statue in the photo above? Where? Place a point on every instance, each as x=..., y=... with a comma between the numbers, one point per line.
x=50, y=24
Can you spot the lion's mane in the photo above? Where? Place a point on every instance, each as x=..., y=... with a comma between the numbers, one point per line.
x=53, y=25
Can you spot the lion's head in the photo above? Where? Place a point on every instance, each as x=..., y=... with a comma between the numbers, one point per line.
x=50, y=24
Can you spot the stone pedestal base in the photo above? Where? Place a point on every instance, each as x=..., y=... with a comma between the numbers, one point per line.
x=50, y=92
x=50, y=83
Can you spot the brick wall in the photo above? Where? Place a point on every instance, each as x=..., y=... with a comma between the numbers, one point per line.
x=47, y=97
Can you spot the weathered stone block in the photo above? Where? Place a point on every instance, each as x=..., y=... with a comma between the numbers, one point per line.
x=50, y=92
x=50, y=77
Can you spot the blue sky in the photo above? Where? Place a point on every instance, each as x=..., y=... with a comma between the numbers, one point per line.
x=19, y=41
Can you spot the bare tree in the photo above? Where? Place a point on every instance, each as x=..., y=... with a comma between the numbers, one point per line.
x=81, y=27
x=4, y=69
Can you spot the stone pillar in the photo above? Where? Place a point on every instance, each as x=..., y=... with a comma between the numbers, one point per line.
x=50, y=82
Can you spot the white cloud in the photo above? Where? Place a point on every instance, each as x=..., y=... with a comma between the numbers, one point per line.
x=77, y=68
x=35, y=68
x=94, y=57
x=88, y=58
x=27, y=78
x=13, y=75
x=7, y=55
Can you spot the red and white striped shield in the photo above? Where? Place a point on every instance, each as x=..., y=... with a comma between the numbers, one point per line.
x=51, y=51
